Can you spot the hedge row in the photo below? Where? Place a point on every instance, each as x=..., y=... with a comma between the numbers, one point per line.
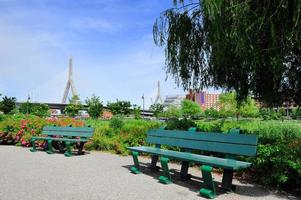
x=278, y=160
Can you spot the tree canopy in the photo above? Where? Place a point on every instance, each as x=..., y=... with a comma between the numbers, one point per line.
x=251, y=47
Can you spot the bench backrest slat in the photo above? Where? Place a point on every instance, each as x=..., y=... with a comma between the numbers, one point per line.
x=68, y=131
x=238, y=144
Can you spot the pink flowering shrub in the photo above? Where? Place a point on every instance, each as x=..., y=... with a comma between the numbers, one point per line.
x=18, y=130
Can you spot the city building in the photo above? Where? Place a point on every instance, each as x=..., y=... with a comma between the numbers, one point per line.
x=174, y=100
x=204, y=99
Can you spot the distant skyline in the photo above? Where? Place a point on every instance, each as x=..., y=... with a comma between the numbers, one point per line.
x=110, y=42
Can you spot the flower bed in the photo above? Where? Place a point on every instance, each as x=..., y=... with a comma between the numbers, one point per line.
x=18, y=129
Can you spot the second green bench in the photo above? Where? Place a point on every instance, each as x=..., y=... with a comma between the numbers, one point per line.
x=69, y=136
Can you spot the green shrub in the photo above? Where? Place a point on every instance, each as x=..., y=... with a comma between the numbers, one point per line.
x=95, y=106
x=120, y=107
x=269, y=114
x=41, y=110
x=179, y=124
x=116, y=122
x=172, y=112
x=278, y=160
x=132, y=133
x=212, y=113
x=190, y=108
x=73, y=107
x=137, y=111
x=8, y=104
x=157, y=109
x=296, y=114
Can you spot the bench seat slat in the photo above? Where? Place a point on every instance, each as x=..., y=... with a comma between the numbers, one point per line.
x=60, y=139
x=199, y=159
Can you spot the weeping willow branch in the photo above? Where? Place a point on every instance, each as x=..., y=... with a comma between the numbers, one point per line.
x=244, y=46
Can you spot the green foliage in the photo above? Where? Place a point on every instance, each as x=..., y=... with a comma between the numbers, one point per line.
x=137, y=111
x=179, y=124
x=211, y=113
x=269, y=114
x=230, y=108
x=95, y=106
x=278, y=152
x=132, y=133
x=296, y=114
x=157, y=109
x=73, y=107
x=116, y=123
x=41, y=110
x=190, y=108
x=246, y=46
x=172, y=112
x=26, y=108
x=120, y=107
x=8, y=104
x=227, y=104
x=249, y=108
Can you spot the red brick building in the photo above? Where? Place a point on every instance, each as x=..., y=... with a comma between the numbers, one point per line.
x=204, y=99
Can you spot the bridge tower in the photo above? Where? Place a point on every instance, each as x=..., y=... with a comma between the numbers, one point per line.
x=158, y=99
x=70, y=83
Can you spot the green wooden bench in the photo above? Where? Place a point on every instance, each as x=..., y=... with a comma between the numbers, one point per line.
x=67, y=135
x=230, y=145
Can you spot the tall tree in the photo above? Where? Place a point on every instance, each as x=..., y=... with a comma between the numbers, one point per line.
x=251, y=47
x=95, y=106
x=8, y=104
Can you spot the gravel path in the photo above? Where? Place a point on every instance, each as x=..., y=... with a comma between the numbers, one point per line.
x=100, y=176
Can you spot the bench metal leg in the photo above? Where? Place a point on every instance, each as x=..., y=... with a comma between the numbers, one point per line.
x=136, y=168
x=209, y=187
x=68, y=152
x=80, y=148
x=227, y=180
x=166, y=179
x=49, y=146
x=154, y=166
x=184, y=171
x=33, y=143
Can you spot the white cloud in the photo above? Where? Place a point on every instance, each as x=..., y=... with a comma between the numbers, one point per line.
x=89, y=23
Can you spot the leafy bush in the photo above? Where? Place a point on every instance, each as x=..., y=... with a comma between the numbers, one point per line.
x=116, y=122
x=190, y=108
x=212, y=113
x=73, y=107
x=296, y=114
x=8, y=104
x=41, y=110
x=157, y=109
x=132, y=133
x=137, y=111
x=229, y=107
x=95, y=106
x=172, y=112
x=278, y=152
x=179, y=124
x=269, y=114
x=120, y=107
x=18, y=129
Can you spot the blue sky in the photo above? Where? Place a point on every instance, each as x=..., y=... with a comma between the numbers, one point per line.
x=110, y=42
